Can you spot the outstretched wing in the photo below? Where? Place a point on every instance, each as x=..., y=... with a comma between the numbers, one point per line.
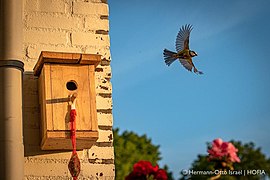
x=187, y=63
x=182, y=39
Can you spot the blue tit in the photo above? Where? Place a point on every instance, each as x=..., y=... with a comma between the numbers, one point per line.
x=184, y=54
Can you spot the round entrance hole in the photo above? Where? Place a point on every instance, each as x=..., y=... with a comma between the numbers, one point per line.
x=71, y=85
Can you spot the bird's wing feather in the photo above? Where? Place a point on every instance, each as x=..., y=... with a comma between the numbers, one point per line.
x=187, y=63
x=182, y=39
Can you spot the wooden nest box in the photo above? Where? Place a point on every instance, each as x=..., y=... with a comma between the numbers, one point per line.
x=61, y=75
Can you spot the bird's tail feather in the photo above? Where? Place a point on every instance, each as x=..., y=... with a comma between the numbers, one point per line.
x=169, y=56
x=197, y=71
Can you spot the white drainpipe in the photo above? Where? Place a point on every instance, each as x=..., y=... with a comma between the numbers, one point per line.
x=11, y=68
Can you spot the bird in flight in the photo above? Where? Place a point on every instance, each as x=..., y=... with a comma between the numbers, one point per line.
x=184, y=54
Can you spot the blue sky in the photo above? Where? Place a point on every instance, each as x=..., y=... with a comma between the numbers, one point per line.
x=180, y=110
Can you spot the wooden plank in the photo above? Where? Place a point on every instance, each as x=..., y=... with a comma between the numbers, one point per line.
x=55, y=57
x=60, y=75
x=41, y=90
x=48, y=95
x=60, y=140
x=61, y=56
x=65, y=58
x=92, y=95
x=83, y=100
x=91, y=59
x=79, y=134
x=59, y=109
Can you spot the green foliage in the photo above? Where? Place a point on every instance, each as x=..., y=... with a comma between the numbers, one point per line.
x=169, y=173
x=130, y=148
x=251, y=159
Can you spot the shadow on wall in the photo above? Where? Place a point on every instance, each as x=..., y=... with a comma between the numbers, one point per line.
x=31, y=117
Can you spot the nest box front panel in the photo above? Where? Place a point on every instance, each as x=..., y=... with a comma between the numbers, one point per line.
x=60, y=76
x=66, y=80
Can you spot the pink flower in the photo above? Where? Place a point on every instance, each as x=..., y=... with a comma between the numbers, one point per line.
x=232, y=153
x=217, y=150
x=220, y=150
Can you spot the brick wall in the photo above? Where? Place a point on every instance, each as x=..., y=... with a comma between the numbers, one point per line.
x=67, y=26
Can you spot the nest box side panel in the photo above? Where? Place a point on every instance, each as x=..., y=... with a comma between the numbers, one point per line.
x=44, y=95
x=44, y=89
x=42, y=103
x=60, y=76
x=93, y=108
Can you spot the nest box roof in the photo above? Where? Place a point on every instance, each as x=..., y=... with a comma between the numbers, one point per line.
x=65, y=58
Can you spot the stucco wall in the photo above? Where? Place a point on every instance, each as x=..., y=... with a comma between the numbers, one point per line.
x=67, y=26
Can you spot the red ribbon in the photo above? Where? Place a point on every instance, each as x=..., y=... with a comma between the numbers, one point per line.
x=73, y=115
x=74, y=162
